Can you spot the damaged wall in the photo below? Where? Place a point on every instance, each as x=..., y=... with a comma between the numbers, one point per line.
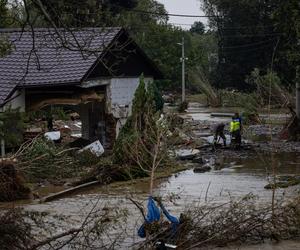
x=92, y=116
x=119, y=96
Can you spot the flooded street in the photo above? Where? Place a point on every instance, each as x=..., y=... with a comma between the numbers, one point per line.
x=179, y=192
x=240, y=174
x=239, y=178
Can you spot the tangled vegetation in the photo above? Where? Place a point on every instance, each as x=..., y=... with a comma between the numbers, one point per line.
x=15, y=232
x=12, y=183
x=236, y=222
x=11, y=127
x=146, y=108
x=41, y=159
x=18, y=230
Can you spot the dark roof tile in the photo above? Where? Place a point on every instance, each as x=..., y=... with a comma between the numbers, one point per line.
x=58, y=57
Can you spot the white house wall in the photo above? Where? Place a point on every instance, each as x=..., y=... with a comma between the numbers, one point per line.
x=120, y=93
x=17, y=101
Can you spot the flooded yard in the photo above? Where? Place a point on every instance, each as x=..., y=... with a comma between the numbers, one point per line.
x=239, y=174
x=181, y=191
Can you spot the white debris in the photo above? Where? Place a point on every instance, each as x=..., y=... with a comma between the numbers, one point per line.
x=76, y=135
x=96, y=148
x=78, y=124
x=185, y=154
x=53, y=136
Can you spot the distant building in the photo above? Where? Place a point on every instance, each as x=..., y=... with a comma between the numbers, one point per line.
x=95, y=71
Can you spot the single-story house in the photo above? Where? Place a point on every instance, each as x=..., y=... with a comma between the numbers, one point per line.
x=94, y=70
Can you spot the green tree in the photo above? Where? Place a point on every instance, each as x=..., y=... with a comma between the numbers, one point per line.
x=198, y=28
x=83, y=13
x=286, y=18
x=11, y=127
x=246, y=38
x=160, y=42
x=140, y=124
x=3, y=14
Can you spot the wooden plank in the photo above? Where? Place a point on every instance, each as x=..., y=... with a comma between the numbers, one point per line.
x=68, y=191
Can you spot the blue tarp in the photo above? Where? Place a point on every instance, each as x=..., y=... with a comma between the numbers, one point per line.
x=153, y=214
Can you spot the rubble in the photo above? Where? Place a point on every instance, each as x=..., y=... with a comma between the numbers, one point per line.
x=187, y=154
x=202, y=169
x=96, y=148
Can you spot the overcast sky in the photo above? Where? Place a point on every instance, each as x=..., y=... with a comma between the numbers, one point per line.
x=187, y=7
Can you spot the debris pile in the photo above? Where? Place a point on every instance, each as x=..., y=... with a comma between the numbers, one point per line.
x=12, y=185
x=41, y=159
x=242, y=221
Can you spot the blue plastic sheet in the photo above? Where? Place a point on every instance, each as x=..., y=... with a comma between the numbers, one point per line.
x=153, y=214
x=174, y=221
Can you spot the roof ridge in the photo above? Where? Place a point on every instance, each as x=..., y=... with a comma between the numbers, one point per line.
x=27, y=29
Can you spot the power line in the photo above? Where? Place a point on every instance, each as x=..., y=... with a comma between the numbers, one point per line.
x=239, y=50
x=247, y=45
x=170, y=14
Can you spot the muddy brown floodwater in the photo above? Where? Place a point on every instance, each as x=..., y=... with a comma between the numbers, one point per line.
x=181, y=190
x=237, y=178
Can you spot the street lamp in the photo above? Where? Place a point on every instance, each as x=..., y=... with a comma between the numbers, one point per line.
x=183, y=59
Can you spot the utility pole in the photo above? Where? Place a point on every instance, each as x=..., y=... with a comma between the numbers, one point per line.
x=183, y=59
x=183, y=71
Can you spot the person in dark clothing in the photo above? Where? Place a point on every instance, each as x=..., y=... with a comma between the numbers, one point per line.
x=239, y=118
x=219, y=133
x=50, y=123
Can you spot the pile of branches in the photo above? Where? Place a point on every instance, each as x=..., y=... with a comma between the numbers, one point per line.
x=242, y=221
x=106, y=172
x=12, y=184
x=30, y=230
x=234, y=223
x=15, y=232
x=41, y=159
